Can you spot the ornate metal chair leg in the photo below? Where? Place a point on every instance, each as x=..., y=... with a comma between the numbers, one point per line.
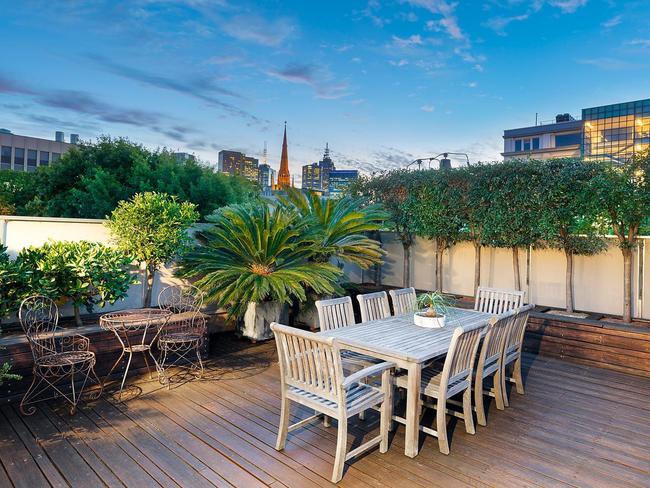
x=198, y=357
x=29, y=395
x=126, y=373
x=95, y=396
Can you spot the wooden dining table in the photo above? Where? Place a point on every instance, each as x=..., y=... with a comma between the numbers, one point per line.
x=399, y=340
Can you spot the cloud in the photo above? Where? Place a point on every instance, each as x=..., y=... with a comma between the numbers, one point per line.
x=314, y=76
x=608, y=64
x=446, y=10
x=202, y=89
x=427, y=108
x=10, y=86
x=258, y=30
x=613, y=22
x=370, y=12
x=401, y=62
x=498, y=24
x=414, y=40
x=225, y=59
x=568, y=6
x=634, y=42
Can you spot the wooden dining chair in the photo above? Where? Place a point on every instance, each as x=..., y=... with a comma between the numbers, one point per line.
x=404, y=300
x=496, y=301
x=312, y=375
x=454, y=378
x=374, y=306
x=512, y=350
x=335, y=313
x=490, y=363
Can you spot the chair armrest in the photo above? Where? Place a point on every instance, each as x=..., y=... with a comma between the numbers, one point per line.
x=366, y=372
x=75, y=342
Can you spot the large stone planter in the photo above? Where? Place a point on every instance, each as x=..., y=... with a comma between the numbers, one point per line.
x=258, y=318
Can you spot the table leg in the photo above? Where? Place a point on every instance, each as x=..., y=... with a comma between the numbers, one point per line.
x=413, y=410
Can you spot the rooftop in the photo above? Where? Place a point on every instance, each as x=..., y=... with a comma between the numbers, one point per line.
x=575, y=426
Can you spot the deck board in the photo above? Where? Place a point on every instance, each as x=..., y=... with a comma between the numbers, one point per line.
x=576, y=426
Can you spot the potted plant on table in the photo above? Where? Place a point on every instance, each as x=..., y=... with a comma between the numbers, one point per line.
x=433, y=309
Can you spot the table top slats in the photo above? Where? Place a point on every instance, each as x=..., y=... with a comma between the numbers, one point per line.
x=399, y=337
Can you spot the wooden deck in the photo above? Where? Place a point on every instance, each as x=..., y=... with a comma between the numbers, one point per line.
x=576, y=426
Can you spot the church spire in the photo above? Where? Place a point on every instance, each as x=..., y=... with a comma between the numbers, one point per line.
x=284, y=178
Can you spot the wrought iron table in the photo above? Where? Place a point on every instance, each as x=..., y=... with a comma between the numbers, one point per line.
x=126, y=324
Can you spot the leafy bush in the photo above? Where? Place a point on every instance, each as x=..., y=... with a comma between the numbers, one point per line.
x=14, y=279
x=152, y=227
x=84, y=273
x=256, y=254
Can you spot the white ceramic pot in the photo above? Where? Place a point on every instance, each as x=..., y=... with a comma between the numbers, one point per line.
x=422, y=320
x=258, y=318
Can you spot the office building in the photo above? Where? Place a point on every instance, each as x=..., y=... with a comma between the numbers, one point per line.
x=315, y=176
x=183, y=156
x=238, y=164
x=609, y=132
x=24, y=153
x=560, y=139
x=340, y=180
x=266, y=176
x=616, y=132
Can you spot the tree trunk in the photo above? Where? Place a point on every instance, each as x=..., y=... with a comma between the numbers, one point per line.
x=515, y=265
x=407, y=264
x=627, y=284
x=477, y=266
x=569, y=281
x=377, y=267
x=151, y=272
x=77, y=315
x=440, y=249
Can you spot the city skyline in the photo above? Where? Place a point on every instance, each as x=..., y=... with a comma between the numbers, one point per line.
x=384, y=83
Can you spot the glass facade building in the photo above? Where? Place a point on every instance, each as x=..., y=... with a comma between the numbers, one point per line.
x=238, y=164
x=616, y=132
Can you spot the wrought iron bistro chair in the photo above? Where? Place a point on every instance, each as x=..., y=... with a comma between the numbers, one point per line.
x=62, y=364
x=182, y=336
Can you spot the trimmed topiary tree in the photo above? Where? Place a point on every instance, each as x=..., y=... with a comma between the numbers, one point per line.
x=153, y=228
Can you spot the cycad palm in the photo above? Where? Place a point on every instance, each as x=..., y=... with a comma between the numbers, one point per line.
x=340, y=226
x=255, y=254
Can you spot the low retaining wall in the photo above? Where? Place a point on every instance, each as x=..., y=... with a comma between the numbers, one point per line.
x=606, y=345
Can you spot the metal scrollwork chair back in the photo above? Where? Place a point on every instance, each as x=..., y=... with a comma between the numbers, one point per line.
x=63, y=364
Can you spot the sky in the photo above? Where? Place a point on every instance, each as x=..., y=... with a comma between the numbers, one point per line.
x=383, y=82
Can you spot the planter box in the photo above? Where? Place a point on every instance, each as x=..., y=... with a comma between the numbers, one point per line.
x=256, y=325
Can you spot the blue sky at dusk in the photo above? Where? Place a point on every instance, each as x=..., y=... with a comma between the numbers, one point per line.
x=382, y=82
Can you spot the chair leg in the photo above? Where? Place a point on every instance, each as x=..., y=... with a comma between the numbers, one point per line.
x=326, y=421
x=341, y=444
x=498, y=389
x=441, y=426
x=198, y=357
x=504, y=391
x=284, y=424
x=516, y=375
x=479, y=401
x=362, y=415
x=468, y=415
x=386, y=410
x=29, y=395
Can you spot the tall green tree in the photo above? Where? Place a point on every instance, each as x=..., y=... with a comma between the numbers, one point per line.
x=570, y=213
x=153, y=228
x=623, y=193
x=434, y=205
x=512, y=220
x=91, y=178
x=391, y=190
x=257, y=253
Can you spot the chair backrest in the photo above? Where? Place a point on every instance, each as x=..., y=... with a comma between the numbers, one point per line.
x=309, y=362
x=404, y=300
x=517, y=330
x=39, y=318
x=494, y=340
x=459, y=363
x=335, y=313
x=496, y=301
x=185, y=303
x=374, y=306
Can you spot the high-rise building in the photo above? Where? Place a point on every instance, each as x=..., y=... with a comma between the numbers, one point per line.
x=284, y=177
x=238, y=164
x=24, y=153
x=340, y=180
x=609, y=132
x=267, y=175
x=183, y=156
x=315, y=176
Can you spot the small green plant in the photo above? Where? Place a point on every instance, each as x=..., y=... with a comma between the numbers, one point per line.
x=434, y=303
